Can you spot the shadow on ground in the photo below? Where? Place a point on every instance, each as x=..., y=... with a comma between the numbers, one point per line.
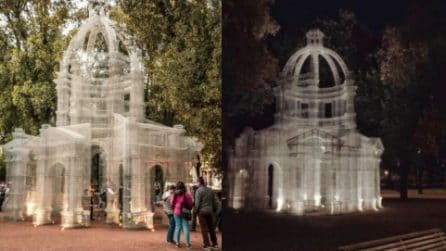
x=271, y=231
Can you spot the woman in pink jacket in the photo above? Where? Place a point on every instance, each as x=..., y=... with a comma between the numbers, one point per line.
x=181, y=204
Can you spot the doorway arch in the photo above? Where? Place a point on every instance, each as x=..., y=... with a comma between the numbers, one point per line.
x=57, y=183
x=98, y=167
x=270, y=185
x=274, y=186
x=241, y=179
x=97, y=182
x=157, y=183
x=121, y=191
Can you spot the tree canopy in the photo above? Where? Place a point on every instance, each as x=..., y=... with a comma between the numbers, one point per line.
x=182, y=44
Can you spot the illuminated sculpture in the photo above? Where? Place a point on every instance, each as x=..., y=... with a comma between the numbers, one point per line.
x=312, y=158
x=101, y=139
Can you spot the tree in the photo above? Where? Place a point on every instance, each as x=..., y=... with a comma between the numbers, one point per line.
x=401, y=68
x=183, y=43
x=249, y=68
x=32, y=44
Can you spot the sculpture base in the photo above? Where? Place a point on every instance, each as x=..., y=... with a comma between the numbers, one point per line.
x=139, y=220
x=42, y=217
x=75, y=219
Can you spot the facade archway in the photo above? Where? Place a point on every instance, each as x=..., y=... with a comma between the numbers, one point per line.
x=274, y=188
x=241, y=179
x=97, y=182
x=270, y=186
x=98, y=167
x=58, y=180
x=156, y=181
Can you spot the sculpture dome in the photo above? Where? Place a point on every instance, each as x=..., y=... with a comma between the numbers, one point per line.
x=98, y=40
x=316, y=88
x=315, y=65
x=101, y=73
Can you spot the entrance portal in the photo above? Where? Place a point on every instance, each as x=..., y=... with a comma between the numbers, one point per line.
x=157, y=175
x=57, y=188
x=270, y=186
x=98, y=191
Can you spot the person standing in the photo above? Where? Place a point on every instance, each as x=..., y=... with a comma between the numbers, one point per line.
x=91, y=193
x=167, y=198
x=6, y=189
x=2, y=195
x=182, y=204
x=194, y=212
x=206, y=206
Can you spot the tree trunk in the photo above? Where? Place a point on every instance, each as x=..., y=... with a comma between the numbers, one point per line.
x=420, y=180
x=404, y=179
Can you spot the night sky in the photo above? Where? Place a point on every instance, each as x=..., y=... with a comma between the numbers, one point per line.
x=375, y=14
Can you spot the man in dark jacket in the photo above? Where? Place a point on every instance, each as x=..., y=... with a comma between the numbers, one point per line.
x=2, y=195
x=206, y=206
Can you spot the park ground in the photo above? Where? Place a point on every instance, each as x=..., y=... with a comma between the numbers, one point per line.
x=22, y=236
x=246, y=230
x=280, y=232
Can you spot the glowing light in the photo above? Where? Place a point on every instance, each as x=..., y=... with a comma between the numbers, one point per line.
x=30, y=207
x=336, y=197
x=379, y=202
x=386, y=172
x=317, y=200
x=305, y=196
x=374, y=205
x=360, y=201
x=279, y=204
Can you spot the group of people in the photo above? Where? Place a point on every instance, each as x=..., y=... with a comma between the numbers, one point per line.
x=95, y=200
x=181, y=207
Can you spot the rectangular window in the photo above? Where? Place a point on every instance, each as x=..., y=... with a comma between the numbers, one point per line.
x=328, y=110
x=127, y=102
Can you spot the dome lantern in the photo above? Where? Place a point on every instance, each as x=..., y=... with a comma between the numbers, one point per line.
x=316, y=66
x=97, y=8
x=315, y=38
x=316, y=87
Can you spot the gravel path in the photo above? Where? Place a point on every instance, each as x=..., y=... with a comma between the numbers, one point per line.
x=22, y=236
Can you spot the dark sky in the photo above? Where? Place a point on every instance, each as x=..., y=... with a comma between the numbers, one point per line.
x=374, y=14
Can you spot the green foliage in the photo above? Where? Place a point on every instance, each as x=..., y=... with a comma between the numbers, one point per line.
x=249, y=66
x=181, y=38
x=183, y=44
x=32, y=44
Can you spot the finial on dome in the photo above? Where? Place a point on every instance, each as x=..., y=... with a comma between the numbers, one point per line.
x=97, y=8
x=315, y=37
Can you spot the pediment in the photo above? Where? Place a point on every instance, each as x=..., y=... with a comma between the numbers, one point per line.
x=314, y=136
